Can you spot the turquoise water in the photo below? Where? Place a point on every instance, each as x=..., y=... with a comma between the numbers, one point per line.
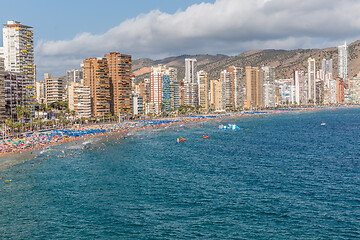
x=280, y=177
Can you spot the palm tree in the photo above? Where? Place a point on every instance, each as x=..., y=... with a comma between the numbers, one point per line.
x=20, y=112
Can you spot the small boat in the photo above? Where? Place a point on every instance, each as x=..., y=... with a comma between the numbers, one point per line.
x=323, y=124
x=181, y=139
x=205, y=137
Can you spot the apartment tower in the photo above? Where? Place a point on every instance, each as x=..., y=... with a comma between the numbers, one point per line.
x=54, y=89
x=120, y=79
x=190, y=83
x=343, y=62
x=254, y=87
x=204, y=87
x=96, y=76
x=311, y=80
x=18, y=52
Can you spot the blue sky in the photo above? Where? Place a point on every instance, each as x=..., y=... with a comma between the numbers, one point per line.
x=67, y=32
x=63, y=19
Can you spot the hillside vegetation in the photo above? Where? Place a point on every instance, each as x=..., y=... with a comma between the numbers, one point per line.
x=285, y=61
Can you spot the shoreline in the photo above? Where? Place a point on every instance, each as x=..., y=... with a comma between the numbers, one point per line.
x=159, y=123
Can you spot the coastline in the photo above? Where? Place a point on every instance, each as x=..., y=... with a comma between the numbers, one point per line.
x=164, y=122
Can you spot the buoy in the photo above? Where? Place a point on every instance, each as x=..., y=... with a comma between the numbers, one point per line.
x=205, y=137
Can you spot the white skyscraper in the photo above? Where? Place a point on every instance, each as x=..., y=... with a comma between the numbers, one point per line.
x=269, y=86
x=18, y=52
x=311, y=79
x=299, y=83
x=343, y=62
x=327, y=70
x=190, y=82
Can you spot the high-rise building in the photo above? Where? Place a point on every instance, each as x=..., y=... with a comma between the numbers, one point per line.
x=238, y=86
x=343, y=62
x=227, y=88
x=340, y=88
x=14, y=93
x=54, y=89
x=190, y=83
x=73, y=75
x=311, y=80
x=216, y=95
x=96, y=76
x=120, y=77
x=40, y=92
x=138, y=104
x=286, y=91
x=326, y=70
x=299, y=83
x=204, y=87
x=254, y=87
x=162, y=89
x=269, y=86
x=2, y=90
x=18, y=52
x=79, y=99
x=354, y=85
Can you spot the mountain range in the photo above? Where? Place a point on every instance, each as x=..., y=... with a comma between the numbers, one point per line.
x=285, y=61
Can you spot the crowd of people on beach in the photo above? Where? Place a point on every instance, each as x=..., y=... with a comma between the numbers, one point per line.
x=41, y=140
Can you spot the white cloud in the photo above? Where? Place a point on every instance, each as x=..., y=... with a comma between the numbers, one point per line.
x=226, y=26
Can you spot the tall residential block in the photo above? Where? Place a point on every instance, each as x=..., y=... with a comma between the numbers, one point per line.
x=254, y=87
x=96, y=76
x=2, y=90
x=120, y=79
x=326, y=70
x=343, y=62
x=40, y=92
x=79, y=99
x=162, y=89
x=227, y=88
x=190, y=83
x=54, y=89
x=269, y=86
x=15, y=93
x=18, y=52
x=354, y=85
x=299, y=83
x=216, y=95
x=238, y=86
x=340, y=89
x=311, y=84
x=204, y=88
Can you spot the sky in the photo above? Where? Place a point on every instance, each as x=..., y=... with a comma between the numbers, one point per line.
x=68, y=31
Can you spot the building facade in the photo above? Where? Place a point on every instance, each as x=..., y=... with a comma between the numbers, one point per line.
x=96, y=76
x=191, y=83
x=269, y=86
x=40, y=92
x=311, y=83
x=54, y=89
x=2, y=90
x=354, y=85
x=14, y=93
x=254, y=87
x=79, y=99
x=343, y=62
x=204, y=88
x=120, y=79
x=18, y=52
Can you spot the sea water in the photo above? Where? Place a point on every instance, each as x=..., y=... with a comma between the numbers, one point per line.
x=280, y=176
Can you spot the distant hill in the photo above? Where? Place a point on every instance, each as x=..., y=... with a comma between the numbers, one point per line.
x=141, y=67
x=284, y=61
